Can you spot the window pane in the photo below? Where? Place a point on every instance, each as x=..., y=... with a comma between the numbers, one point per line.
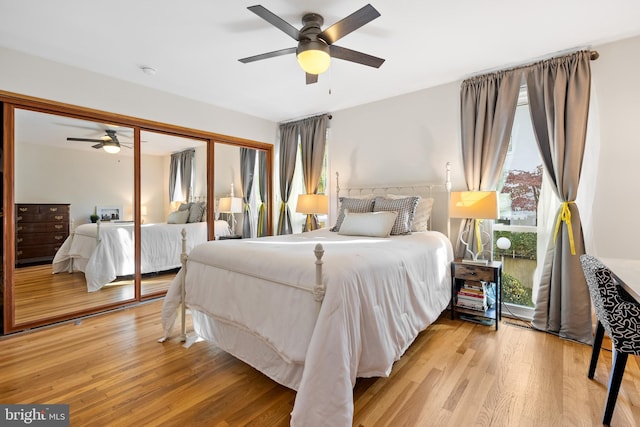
x=519, y=194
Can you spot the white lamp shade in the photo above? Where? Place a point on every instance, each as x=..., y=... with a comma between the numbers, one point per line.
x=474, y=204
x=312, y=204
x=230, y=205
x=313, y=57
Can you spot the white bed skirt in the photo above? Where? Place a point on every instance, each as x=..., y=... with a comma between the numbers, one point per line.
x=243, y=344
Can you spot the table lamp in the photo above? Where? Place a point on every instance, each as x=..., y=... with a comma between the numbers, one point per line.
x=312, y=204
x=475, y=205
x=231, y=205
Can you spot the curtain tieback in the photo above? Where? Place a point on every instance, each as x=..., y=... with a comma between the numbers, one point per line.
x=565, y=216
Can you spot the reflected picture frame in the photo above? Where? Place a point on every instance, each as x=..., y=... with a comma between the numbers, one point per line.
x=109, y=213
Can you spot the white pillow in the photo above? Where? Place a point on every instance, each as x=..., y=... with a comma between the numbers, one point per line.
x=178, y=217
x=372, y=224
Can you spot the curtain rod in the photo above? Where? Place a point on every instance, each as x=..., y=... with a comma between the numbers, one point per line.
x=593, y=55
x=329, y=116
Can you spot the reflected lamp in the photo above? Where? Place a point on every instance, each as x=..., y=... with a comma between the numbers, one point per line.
x=231, y=205
x=111, y=147
x=312, y=204
x=475, y=205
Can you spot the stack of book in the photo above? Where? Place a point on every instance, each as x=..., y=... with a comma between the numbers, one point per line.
x=472, y=295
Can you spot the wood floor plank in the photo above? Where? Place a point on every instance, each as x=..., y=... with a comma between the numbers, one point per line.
x=112, y=372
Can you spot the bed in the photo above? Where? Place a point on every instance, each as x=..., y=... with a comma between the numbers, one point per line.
x=316, y=310
x=105, y=250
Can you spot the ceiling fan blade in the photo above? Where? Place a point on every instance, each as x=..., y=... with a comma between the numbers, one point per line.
x=276, y=21
x=98, y=146
x=312, y=78
x=349, y=24
x=85, y=139
x=268, y=55
x=355, y=56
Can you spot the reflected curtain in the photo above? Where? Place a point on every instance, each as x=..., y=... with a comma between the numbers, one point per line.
x=288, y=151
x=559, y=91
x=181, y=163
x=488, y=107
x=247, y=170
x=313, y=142
x=261, y=229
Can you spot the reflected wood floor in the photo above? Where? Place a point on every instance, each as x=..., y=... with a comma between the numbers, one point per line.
x=40, y=293
x=111, y=371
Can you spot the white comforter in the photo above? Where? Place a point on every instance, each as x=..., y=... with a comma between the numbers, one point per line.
x=380, y=293
x=113, y=256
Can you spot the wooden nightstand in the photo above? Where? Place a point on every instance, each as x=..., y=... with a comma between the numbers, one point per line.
x=476, y=291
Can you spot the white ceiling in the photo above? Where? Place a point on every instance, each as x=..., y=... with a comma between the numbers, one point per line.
x=195, y=45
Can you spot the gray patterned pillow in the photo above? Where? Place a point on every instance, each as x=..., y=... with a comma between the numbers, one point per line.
x=354, y=206
x=196, y=209
x=406, y=209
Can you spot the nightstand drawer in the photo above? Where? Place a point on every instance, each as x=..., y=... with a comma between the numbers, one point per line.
x=473, y=272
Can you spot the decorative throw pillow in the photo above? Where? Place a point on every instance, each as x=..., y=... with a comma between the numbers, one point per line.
x=183, y=207
x=372, y=224
x=195, y=211
x=178, y=217
x=353, y=205
x=423, y=212
x=406, y=209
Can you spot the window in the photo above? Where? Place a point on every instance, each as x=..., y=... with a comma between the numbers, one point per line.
x=519, y=190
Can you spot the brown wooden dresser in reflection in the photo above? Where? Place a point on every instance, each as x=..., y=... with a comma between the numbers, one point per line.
x=40, y=231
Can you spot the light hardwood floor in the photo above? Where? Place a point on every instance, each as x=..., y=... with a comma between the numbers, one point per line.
x=41, y=294
x=111, y=371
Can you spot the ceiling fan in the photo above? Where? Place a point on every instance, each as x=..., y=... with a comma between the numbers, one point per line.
x=108, y=142
x=315, y=46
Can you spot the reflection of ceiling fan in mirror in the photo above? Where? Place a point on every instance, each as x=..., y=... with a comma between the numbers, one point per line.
x=108, y=142
x=316, y=46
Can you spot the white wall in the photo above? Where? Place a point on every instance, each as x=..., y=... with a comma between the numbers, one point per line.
x=402, y=140
x=616, y=204
x=43, y=175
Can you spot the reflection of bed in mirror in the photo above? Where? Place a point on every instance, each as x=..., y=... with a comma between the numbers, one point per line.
x=105, y=251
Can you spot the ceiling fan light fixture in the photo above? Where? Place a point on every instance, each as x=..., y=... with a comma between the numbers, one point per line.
x=111, y=147
x=313, y=57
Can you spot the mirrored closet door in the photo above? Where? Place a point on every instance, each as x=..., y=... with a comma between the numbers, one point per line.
x=89, y=198
x=63, y=175
x=173, y=197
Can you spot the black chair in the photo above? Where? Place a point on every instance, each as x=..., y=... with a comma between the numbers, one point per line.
x=619, y=315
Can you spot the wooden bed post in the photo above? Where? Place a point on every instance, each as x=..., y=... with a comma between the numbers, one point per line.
x=183, y=292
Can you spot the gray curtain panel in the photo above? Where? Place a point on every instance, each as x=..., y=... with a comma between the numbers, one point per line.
x=288, y=151
x=488, y=105
x=182, y=163
x=261, y=230
x=559, y=91
x=313, y=142
x=247, y=169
